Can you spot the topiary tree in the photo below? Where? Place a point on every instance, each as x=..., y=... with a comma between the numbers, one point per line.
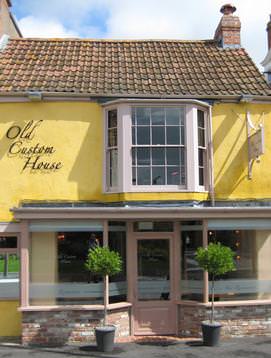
x=104, y=262
x=217, y=260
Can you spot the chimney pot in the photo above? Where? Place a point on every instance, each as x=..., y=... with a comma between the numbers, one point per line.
x=227, y=33
x=228, y=9
x=268, y=29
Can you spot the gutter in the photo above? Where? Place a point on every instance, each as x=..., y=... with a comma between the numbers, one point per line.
x=89, y=96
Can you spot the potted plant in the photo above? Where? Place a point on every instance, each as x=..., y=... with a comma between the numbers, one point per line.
x=104, y=262
x=217, y=260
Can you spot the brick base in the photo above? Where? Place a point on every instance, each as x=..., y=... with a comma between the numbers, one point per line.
x=236, y=320
x=63, y=327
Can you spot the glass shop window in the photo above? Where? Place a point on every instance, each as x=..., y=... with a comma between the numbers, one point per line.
x=155, y=226
x=191, y=274
x=9, y=268
x=252, y=278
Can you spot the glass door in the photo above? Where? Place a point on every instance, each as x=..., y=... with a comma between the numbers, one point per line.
x=153, y=270
x=154, y=310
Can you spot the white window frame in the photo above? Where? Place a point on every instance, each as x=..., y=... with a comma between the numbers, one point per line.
x=124, y=112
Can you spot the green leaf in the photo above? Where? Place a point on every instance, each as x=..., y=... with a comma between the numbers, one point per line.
x=217, y=259
x=102, y=261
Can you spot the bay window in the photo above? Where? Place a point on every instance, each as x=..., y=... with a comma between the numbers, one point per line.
x=156, y=146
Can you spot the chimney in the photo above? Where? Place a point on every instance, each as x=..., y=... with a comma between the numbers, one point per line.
x=268, y=29
x=228, y=30
x=8, y=25
x=267, y=61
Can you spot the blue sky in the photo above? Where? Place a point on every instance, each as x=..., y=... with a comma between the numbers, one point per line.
x=142, y=19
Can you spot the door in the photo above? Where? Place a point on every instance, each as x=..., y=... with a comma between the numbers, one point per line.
x=154, y=310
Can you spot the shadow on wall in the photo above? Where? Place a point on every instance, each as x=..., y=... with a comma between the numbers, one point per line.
x=231, y=155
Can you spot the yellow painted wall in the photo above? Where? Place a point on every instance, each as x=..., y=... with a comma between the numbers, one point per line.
x=10, y=322
x=75, y=131
x=231, y=152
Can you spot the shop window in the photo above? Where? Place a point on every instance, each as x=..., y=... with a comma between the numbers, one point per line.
x=117, y=242
x=252, y=278
x=191, y=285
x=57, y=268
x=9, y=268
x=156, y=148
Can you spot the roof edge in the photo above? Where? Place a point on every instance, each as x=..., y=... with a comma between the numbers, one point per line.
x=90, y=96
x=141, y=212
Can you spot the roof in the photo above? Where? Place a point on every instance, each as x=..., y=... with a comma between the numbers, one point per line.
x=120, y=68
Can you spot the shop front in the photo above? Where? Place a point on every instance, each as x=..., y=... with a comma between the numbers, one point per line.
x=161, y=290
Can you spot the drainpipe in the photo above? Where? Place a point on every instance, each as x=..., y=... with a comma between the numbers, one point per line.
x=211, y=159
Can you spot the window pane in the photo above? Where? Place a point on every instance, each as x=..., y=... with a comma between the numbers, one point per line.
x=158, y=116
x=159, y=226
x=153, y=280
x=57, y=269
x=112, y=118
x=201, y=137
x=158, y=135
x=143, y=116
x=143, y=156
x=182, y=135
x=173, y=135
x=191, y=273
x=143, y=135
x=201, y=157
x=133, y=135
x=173, y=156
x=173, y=175
x=182, y=156
x=112, y=137
x=173, y=116
x=134, y=176
x=118, y=285
x=201, y=119
x=9, y=276
x=8, y=242
x=201, y=176
x=158, y=156
x=113, y=167
x=134, y=156
x=252, y=278
x=158, y=175
x=133, y=116
x=9, y=266
x=143, y=176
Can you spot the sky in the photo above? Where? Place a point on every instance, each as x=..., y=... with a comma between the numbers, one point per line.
x=142, y=19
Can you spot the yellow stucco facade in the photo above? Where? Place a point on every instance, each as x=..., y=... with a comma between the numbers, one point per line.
x=54, y=151
x=69, y=137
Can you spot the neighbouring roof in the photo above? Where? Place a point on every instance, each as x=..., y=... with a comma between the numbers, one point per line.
x=120, y=68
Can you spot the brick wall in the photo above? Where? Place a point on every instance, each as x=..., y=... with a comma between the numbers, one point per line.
x=236, y=320
x=62, y=327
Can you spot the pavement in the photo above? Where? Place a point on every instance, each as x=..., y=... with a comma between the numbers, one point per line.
x=249, y=347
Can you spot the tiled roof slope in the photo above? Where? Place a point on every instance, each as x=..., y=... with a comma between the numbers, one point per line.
x=111, y=67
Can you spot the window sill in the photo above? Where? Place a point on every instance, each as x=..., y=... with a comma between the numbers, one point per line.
x=157, y=189
x=113, y=306
x=226, y=303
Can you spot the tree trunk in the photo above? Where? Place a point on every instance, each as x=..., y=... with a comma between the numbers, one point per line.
x=213, y=298
x=106, y=298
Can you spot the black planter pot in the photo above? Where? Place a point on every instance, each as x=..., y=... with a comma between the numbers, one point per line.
x=211, y=333
x=105, y=338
